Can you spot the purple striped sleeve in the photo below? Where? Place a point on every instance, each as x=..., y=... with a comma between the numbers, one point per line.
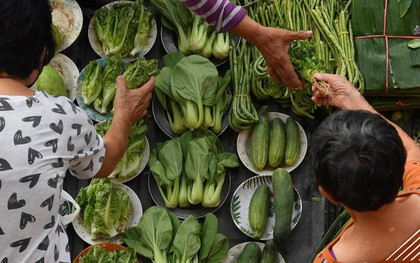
x=222, y=14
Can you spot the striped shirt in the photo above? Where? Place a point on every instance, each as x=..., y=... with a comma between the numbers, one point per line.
x=222, y=14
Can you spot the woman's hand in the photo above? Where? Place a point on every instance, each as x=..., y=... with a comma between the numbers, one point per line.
x=342, y=93
x=129, y=106
x=132, y=104
x=274, y=45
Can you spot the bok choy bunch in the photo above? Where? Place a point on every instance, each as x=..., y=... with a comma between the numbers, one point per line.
x=161, y=237
x=195, y=35
x=190, y=169
x=192, y=93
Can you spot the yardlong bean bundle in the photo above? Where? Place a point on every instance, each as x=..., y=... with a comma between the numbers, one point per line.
x=332, y=42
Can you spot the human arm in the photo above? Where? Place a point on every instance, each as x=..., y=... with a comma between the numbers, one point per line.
x=273, y=43
x=129, y=106
x=344, y=95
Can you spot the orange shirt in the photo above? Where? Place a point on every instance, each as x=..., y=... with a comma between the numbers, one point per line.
x=410, y=250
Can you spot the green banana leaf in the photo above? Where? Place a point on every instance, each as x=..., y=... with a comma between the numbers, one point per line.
x=403, y=56
x=400, y=23
x=368, y=17
x=404, y=65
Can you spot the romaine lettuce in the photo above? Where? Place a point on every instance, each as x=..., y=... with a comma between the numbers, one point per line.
x=92, y=82
x=105, y=208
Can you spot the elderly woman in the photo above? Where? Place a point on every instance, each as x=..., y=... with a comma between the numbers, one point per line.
x=371, y=167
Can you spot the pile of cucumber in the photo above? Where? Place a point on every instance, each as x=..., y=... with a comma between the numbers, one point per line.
x=274, y=143
x=283, y=195
x=252, y=253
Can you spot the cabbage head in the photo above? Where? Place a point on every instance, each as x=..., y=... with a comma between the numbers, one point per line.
x=51, y=82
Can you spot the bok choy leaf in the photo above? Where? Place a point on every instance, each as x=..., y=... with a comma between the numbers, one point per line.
x=196, y=168
x=187, y=241
x=193, y=81
x=152, y=237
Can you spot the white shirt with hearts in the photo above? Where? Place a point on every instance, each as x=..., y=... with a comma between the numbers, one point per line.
x=41, y=138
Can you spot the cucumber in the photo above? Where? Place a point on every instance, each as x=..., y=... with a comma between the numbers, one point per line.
x=277, y=144
x=250, y=254
x=269, y=253
x=292, y=142
x=260, y=140
x=258, y=210
x=283, y=203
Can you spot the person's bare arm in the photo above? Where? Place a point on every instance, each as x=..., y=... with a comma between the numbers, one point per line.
x=273, y=43
x=345, y=96
x=129, y=106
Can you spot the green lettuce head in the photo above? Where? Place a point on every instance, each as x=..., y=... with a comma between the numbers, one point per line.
x=51, y=82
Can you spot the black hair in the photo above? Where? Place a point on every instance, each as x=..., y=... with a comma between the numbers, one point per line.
x=358, y=158
x=25, y=32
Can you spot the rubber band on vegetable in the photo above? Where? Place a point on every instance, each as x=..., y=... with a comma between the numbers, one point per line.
x=242, y=95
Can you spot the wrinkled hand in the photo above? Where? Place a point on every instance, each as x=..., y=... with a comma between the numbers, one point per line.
x=132, y=104
x=342, y=95
x=274, y=45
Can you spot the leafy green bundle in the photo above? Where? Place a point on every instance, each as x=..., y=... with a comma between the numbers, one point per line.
x=129, y=164
x=190, y=169
x=195, y=36
x=192, y=93
x=161, y=237
x=99, y=83
x=105, y=208
x=100, y=254
x=123, y=29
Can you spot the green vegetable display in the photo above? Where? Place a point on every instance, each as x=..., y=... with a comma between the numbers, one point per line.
x=258, y=210
x=92, y=82
x=110, y=73
x=166, y=166
x=292, y=142
x=283, y=204
x=161, y=237
x=330, y=50
x=277, y=147
x=51, y=82
x=242, y=114
x=129, y=164
x=137, y=73
x=195, y=36
x=100, y=254
x=190, y=169
x=105, y=208
x=274, y=143
x=99, y=83
x=251, y=253
x=123, y=29
x=192, y=93
x=269, y=253
x=260, y=140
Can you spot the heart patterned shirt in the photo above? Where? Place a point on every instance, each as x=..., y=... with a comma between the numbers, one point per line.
x=41, y=138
